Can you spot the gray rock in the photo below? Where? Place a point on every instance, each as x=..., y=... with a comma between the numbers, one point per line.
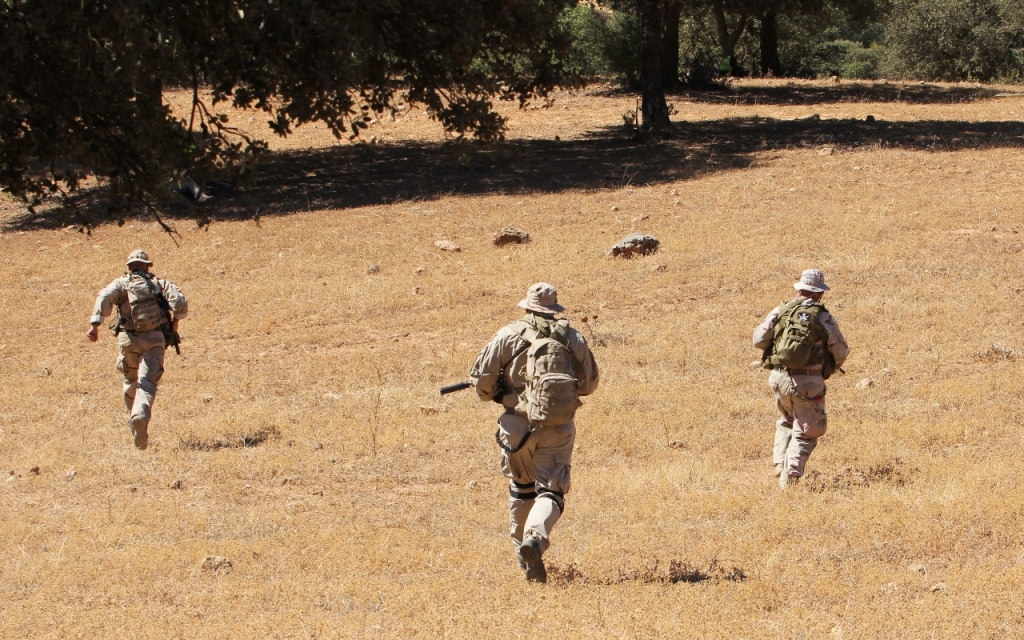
x=447, y=245
x=635, y=244
x=510, y=235
x=373, y=269
x=865, y=383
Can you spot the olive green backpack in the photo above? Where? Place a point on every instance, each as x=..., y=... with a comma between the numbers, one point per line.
x=800, y=339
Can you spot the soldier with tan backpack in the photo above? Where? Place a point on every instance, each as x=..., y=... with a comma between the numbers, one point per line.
x=537, y=368
x=148, y=309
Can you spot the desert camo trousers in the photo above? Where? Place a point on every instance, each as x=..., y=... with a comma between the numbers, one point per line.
x=538, y=475
x=141, y=362
x=801, y=400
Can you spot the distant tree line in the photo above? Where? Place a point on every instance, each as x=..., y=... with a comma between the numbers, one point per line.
x=698, y=41
x=937, y=40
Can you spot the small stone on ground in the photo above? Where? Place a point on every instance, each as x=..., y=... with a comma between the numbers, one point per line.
x=216, y=564
x=635, y=244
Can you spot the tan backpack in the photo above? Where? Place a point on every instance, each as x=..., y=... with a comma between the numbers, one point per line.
x=144, y=301
x=551, y=396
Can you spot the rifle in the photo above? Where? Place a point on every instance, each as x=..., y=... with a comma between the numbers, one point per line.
x=452, y=388
x=171, y=336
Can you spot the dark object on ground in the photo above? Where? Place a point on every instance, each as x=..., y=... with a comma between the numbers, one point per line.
x=635, y=244
x=192, y=192
x=510, y=235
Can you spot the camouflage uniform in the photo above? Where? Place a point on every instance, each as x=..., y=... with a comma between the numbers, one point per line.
x=800, y=394
x=536, y=461
x=141, y=357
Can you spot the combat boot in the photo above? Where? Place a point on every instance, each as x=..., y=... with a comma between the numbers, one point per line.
x=140, y=434
x=529, y=554
x=787, y=481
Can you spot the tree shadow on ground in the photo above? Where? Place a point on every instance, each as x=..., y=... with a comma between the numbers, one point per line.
x=792, y=94
x=364, y=175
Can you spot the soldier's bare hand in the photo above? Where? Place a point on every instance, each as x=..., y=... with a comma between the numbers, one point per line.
x=93, y=334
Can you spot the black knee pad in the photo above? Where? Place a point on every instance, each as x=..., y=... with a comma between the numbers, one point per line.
x=554, y=496
x=523, y=491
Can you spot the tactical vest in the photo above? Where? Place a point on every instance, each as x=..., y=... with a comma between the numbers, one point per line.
x=800, y=340
x=144, y=302
x=551, y=395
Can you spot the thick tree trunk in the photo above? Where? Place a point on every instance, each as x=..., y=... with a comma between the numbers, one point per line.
x=769, y=36
x=653, y=107
x=670, y=44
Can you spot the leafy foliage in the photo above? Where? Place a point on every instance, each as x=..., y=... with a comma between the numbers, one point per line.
x=956, y=40
x=81, y=80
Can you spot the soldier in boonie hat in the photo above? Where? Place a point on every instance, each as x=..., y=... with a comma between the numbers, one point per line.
x=802, y=345
x=536, y=432
x=138, y=257
x=148, y=309
x=541, y=298
x=811, y=280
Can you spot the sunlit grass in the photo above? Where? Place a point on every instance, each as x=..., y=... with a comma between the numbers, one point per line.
x=370, y=506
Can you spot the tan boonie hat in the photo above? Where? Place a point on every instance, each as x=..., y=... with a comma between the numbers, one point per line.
x=541, y=298
x=138, y=256
x=811, y=280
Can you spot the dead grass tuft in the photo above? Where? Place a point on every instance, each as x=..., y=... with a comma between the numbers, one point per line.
x=996, y=353
x=893, y=474
x=678, y=571
x=244, y=440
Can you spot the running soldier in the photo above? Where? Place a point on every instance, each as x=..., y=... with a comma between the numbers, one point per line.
x=148, y=313
x=803, y=346
x=536, y=368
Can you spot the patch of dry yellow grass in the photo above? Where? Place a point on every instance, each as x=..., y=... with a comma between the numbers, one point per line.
x=359, y=518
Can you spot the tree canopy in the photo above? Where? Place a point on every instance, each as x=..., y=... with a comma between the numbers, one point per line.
x=81, y=80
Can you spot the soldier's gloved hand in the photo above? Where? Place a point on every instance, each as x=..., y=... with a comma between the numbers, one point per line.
x=499, y=392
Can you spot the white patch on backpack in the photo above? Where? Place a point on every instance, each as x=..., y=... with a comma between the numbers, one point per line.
x=805, y=318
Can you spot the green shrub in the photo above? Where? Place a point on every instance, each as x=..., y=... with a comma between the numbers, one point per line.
x=589, y=31
x=622, y=49
x=953, y=40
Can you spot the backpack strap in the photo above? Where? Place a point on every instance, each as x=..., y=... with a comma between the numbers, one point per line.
x=158, y=293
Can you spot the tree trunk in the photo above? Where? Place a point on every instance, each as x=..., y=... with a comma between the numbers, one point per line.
x=149, y=99
x=653, y=107
x=769, y=36
x=670, y=44
x=727, y=39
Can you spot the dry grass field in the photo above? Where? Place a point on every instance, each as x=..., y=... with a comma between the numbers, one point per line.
x=363, y=504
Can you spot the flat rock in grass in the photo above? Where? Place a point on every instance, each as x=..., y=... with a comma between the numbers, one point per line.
x=447, y=245
x=635, y=244
x=510, y=235
x=216, y=565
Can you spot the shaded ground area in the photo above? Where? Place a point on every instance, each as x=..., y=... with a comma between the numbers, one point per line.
x=345, y=177
x=807, y=94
